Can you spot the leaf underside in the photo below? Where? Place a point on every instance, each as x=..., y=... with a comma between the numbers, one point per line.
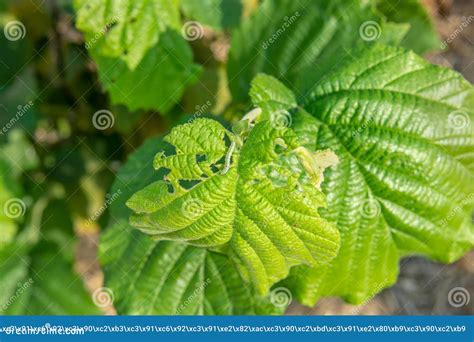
x=152, y=277
x=265, y=228
x=169, y=278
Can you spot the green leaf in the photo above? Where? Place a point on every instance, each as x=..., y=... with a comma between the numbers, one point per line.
x=271, y=96
x=150, y=277
x=220, y=194
x=19, y=152
x=142, y=58
x=422, y=36
x=128, y=26
x=403, y=131
x=29, y=284
x=168, y=278
x=274, y=102
x=218, y=14
x=301, y=41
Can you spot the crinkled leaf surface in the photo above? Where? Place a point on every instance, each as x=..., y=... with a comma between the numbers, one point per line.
x=151, y=277
x=142, y=58
x=403, y=131
x=167, y=278
x=300, y=41
x=276, y=102
x=271, y=96
x=266, y=227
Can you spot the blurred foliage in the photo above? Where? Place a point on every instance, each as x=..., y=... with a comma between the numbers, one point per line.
x=420, y=38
